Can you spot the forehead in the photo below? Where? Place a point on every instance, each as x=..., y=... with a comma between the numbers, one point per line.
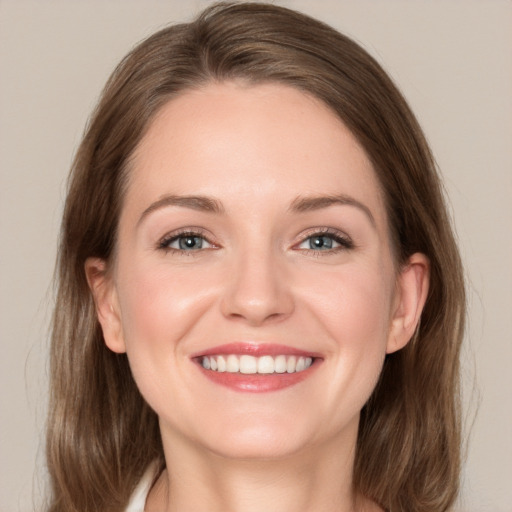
x=242, y=143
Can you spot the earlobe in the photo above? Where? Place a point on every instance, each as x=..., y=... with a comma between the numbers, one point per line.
x=105, y=299
x=412, y=290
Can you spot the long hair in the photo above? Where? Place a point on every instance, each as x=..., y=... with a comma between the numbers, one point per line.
x=101, y=434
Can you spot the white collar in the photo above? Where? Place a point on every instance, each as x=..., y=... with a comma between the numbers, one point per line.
x=139, y=496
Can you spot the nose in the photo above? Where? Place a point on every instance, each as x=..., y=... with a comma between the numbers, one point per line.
x=257, y=289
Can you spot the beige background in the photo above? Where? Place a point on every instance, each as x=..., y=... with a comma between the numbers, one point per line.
x=452, y=59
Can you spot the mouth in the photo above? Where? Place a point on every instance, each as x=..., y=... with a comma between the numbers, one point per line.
x=250, y=365
x=256, y=368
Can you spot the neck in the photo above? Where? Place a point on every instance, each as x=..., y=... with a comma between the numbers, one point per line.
x=317, y=479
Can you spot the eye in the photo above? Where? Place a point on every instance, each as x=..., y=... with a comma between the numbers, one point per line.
x=188, y=243
x=184, y=242
x=326, y=241
x=318, y=242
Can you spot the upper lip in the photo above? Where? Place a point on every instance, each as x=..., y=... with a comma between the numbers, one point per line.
x=255, y=349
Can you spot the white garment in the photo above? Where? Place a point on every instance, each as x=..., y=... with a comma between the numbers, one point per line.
x=140, y=494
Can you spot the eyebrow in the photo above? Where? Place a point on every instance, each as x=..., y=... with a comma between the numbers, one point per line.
x=307, y=204
x=298, y=205
x=199, y=203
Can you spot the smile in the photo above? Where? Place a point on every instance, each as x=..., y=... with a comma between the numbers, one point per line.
x=256, y=368
x=247, y=364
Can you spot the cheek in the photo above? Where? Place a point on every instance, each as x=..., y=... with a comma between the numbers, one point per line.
x=353, y=303
x=354, y=311
x=160, y=306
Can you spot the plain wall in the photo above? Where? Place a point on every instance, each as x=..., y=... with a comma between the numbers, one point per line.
x=453, y=61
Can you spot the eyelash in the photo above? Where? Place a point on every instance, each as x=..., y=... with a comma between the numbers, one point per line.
x=345, y=242
x=164, y=243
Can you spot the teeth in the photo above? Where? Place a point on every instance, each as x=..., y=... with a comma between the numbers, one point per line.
x=247, y=364
x=280, y=364
x=221, y=364
x=291, y=364
x=266, y=364
x=232, y=364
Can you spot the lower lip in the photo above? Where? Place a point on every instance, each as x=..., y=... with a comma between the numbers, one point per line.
x=258, y=383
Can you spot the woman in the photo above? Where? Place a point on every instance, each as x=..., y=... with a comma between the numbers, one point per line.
x=254, y=228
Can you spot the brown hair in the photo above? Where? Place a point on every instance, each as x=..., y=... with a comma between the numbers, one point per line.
x=101, y=433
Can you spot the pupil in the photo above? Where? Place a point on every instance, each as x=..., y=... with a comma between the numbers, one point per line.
x=320, y=242
x=190, y=242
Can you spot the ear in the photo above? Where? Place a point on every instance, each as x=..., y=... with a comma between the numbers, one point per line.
x=107, y=306
x=411, y=294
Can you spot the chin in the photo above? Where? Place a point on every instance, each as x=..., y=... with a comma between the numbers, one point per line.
x=271, y=436
x=248, y=435
x=258, y=443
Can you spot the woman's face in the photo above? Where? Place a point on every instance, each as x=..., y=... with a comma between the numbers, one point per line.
x=253, y=239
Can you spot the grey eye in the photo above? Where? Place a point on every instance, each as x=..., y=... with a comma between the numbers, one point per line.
x=188, y=243
x=326, y=242
x=320, y=242
x=191, y=242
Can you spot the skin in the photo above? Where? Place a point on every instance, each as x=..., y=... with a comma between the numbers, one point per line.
x=254, y=150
